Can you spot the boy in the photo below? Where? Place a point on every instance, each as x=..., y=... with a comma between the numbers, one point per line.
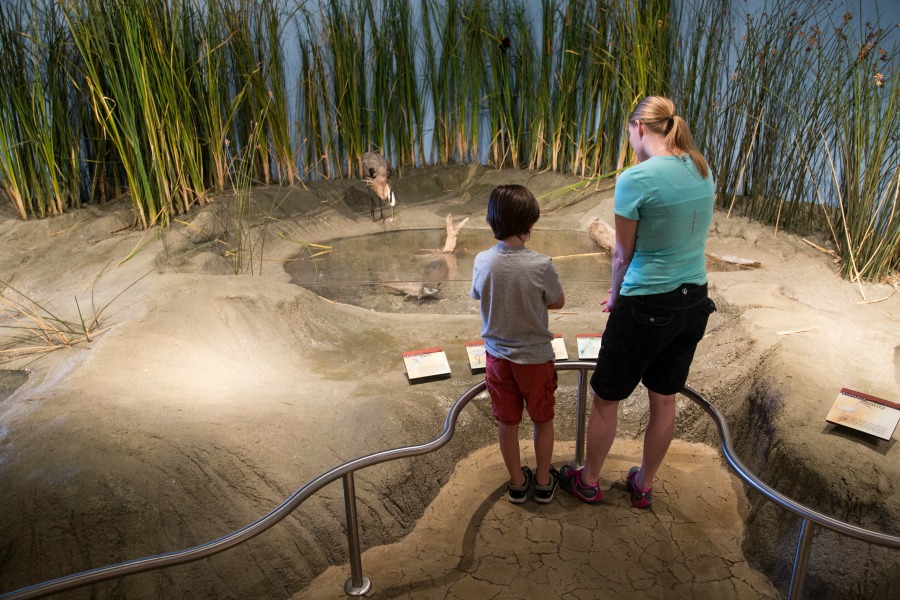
x=516, y=286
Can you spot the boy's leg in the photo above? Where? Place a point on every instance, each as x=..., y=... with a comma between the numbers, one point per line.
x=543, y=451
x=509, y=450
x=538, y=383
x=507, y=404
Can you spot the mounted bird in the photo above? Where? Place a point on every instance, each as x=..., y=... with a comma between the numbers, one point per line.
x=377, y=173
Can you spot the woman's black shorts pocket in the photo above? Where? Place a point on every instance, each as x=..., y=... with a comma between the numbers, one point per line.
x=650, y=320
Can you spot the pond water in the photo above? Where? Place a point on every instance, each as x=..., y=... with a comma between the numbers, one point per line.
x=405, y=271
x=10, y=382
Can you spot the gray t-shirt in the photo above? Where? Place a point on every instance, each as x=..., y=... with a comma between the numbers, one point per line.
x=515, y=285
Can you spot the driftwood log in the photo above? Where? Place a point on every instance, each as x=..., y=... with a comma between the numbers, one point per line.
x=735, y=260
x=603, y=234
x=605, y=237
x=452, y=233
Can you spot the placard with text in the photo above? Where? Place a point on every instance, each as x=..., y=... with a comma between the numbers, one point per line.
x=477, y=357
x=588, y=345
x=865, y=413
x=559, y=348
x=426, y=365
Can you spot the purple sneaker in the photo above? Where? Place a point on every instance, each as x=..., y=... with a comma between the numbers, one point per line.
x=640, y=498
x=571, y=481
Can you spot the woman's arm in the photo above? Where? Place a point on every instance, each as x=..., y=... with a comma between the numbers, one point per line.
x=626, y=236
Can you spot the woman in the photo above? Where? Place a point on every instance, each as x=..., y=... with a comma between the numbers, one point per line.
x=658, y=304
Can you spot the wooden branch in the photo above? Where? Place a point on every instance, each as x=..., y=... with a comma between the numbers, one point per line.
x=736, y=260
x=452, y=233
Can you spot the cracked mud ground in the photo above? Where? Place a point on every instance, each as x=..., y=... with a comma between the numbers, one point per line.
x=472, y=544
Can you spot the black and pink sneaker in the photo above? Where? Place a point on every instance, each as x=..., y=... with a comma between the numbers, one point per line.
x=571, y=481
x=640, y=498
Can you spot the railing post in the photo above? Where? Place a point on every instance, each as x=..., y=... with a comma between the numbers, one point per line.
x=357, y=585
x=580, y=409
x=801, y=560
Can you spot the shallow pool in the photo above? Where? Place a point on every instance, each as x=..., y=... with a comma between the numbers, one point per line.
x=403, y=271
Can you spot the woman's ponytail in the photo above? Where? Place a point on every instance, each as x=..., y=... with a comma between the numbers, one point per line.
x=658, y=114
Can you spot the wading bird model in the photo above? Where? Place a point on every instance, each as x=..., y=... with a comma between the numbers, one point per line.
x=377, y=172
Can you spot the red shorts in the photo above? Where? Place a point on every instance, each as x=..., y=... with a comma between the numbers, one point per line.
x=513, y=387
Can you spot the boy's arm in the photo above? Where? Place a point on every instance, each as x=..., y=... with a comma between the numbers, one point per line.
x=559, y=303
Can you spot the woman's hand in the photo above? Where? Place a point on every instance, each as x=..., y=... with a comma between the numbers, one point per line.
x=608, y=303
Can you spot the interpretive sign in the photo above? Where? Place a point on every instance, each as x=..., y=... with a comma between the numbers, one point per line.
x=477, y=358
x=865, y=413
x=559, y=348
x=426, y=365
x=588, y=345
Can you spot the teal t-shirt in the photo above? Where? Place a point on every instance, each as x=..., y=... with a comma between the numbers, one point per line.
x=673, y=206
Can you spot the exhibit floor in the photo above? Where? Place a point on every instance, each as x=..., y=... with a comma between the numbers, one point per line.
x=213, y=389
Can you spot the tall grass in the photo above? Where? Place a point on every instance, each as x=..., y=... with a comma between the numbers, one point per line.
x=796, y=107
x=136, y=70
x=860, y=132
x=807, y=127
x=397, y=85
x=40, y=159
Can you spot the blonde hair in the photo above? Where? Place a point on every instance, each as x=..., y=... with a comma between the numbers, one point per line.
x=657, y=113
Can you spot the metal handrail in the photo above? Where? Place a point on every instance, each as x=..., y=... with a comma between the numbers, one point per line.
x=358, y=585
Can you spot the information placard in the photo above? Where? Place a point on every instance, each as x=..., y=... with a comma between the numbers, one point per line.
x=866, y=413
x=588, y=345
x=477, y=357
x=426, y=365
x=559, y=347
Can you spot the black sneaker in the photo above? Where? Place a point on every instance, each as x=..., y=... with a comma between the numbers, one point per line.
x=543, y=494
x=518, y=494
x=571, y=481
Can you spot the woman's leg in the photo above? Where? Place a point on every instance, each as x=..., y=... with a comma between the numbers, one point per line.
x=657, y=437
x=601, y=432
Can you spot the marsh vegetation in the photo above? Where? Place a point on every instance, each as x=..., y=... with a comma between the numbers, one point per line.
x=797, y=107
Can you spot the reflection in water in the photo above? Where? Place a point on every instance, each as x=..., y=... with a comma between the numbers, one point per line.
x=386, y=271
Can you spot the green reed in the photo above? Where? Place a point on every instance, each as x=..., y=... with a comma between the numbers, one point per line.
x=40, y=162
x=505, y=48
x=439, y=32
x=136, y=72
x=860, y=130
x=344, y=32
x=210, y=88
x=446, y=77
x=807, y=137
x=256, y=61
x=695, y=78
x=405, y=106
x=798, y=123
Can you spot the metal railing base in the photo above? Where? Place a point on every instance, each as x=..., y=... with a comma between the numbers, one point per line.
x=352, y=590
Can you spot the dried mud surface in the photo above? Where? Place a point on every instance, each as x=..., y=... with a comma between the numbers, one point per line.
x=211, y=396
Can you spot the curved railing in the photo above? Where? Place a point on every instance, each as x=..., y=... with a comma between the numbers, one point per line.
x=358, y=585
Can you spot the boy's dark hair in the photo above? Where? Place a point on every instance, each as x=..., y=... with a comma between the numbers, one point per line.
x=512, y=210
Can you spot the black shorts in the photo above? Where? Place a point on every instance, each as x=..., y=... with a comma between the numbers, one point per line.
x=651, y=339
